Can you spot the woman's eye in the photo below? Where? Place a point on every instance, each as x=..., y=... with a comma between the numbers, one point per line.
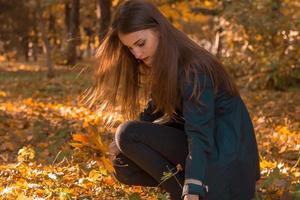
x=141, y=44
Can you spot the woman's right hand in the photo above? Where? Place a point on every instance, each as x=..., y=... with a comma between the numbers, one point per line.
x=191, y=197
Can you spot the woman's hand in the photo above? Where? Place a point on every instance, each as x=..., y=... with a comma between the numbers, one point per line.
x=191, y=197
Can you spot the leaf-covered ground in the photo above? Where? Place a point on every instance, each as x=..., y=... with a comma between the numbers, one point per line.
x=53, y=148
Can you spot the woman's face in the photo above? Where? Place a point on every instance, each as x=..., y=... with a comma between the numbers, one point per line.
x=142, y=44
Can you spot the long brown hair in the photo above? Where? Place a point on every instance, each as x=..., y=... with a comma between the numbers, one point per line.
x=119, y=76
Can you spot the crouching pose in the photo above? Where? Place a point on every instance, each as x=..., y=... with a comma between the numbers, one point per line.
x=205, y=138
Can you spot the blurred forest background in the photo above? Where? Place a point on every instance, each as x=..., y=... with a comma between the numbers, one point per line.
x=52, y=147
x=257, y=40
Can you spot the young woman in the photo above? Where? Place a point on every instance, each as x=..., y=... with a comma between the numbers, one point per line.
x=207, y=142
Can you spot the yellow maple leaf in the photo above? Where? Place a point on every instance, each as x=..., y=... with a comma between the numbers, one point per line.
x=80, y=138
x=94, y=175
x=109, y=180
x=283, y=130
x=267, y=164
x=28, y=101
x=107, y=164
x=101, y=146
x=3, y=94
x=26, y=153
x=76, y=145
x=96, y=141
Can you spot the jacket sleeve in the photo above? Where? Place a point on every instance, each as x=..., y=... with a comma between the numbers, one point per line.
x=148, y=114
x=199, y=127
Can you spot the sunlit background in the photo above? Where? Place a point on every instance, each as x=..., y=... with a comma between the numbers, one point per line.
x=53, y=147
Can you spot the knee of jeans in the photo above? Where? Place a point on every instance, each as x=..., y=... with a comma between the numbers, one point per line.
x=125, y=134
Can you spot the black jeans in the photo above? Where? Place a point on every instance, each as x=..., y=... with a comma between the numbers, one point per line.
x=143, y=151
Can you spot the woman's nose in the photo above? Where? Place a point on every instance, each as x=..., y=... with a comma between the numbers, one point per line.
x=137, y=54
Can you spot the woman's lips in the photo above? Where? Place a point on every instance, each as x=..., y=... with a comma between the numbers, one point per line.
x=145, y=59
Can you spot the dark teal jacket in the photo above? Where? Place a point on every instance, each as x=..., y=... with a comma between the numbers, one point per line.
x=219, y=132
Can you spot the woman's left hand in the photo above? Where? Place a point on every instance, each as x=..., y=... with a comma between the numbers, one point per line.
x=191, y=197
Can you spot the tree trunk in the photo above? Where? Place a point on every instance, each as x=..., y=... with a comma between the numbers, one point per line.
x=67, y=16
x=103, y=15
x=35, y=39
x=46, y=44
x=74, y=32
x=52, y=29
x=25, y=48
x=35, y=50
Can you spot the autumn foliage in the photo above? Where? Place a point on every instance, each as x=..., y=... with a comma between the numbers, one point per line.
x=52, y=147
